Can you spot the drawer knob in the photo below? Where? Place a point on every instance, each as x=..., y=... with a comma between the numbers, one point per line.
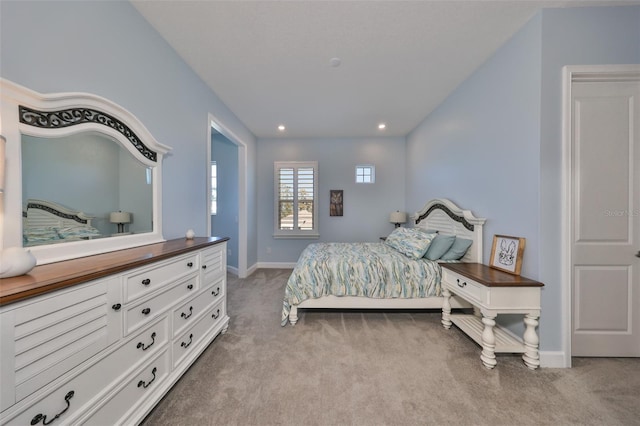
x=216, y=292
x=146, y=281
x=146, y=311
x=116, y=307
x=143, y=347
x=190, y=286
x=43, y=418
x=145, y=385
x=461, y=284
x=186, y=316
x=216, y=315
x=204, y=266
x=186, y=345
x=190, y=264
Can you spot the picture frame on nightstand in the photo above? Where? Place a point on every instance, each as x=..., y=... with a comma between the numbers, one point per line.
x=506, y=253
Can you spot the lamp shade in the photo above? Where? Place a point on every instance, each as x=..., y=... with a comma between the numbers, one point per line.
x=120, y=217
x=398, y=217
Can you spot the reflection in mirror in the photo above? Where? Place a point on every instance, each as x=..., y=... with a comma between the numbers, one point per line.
x=81, y=187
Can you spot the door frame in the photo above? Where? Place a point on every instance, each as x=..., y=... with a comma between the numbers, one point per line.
x=214, y=122
x=571, y=73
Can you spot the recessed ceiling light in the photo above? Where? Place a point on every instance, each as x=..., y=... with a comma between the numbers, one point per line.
x=382, y=126
x=282, y=128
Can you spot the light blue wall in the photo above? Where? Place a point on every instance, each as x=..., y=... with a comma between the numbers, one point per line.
x=505, y=121
x=225, y=222
x=480, y=147
x=366, y=206
x=107, y=48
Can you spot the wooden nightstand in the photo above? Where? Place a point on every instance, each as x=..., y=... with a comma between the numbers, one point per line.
x=493, y=292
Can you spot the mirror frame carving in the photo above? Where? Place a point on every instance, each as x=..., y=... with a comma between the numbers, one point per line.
x=26, y=112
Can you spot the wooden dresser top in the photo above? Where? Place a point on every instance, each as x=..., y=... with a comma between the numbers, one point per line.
x=53, y=276
x=490, y=277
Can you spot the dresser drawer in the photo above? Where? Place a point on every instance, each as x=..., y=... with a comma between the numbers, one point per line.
x=217, y=286
x=464, y=287
x=96, y=379
x=144, y=282
x=214, y=262
x=183, y=345
x=118, y=407
x=186, y=314
x=141, y=313
x=53, y=334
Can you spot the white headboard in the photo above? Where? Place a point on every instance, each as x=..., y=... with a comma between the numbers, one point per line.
x=40, y=213
x=448, y=219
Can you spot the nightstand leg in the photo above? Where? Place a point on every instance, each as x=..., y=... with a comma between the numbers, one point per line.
x=446, y=309
x=488, y=355
x=531, y=357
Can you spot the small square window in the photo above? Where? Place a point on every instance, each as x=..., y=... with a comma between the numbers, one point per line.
x=365, y=173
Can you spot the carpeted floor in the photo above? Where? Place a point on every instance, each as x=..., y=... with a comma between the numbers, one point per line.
x=379, y=368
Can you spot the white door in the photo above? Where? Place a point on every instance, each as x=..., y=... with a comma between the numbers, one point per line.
x=606, y=218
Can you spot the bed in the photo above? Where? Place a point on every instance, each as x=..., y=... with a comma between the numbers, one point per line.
x=47, y=222
x=382, y=275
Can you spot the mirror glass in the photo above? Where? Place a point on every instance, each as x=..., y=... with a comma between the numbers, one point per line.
x=82, y=187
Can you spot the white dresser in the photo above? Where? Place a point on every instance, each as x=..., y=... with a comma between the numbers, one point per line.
x=99, y=340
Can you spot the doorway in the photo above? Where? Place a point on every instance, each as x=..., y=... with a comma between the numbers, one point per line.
x=230, y=219
x=602, y=210
x=224, y=194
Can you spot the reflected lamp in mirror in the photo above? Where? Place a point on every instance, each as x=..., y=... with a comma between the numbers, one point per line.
x=121, y=218
x=398, y=218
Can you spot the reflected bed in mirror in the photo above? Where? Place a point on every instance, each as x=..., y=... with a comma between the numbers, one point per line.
x=84, y=175
x=104, y=179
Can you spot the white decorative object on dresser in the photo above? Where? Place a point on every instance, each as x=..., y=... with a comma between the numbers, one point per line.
x=493, y=292
x=100, y=339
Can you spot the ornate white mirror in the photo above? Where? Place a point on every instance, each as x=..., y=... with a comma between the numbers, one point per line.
x=83, y=175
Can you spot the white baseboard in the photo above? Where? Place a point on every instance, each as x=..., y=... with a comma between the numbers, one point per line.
x=252, y=269
x=553, y=359
x=232, y=270
x=276, y=265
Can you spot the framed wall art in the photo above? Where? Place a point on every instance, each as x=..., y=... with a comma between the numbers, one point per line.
x=506, y=253
x=335, y=202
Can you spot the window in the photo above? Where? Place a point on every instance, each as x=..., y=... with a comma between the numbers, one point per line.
x=214, y=188
x=296, y=194
x=365, y=173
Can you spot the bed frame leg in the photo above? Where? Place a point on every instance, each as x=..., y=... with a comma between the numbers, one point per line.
x=293, y=315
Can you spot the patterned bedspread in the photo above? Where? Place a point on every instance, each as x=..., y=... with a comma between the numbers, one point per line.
x=359, y=269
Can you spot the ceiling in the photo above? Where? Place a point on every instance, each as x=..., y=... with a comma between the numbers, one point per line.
x=270, y=61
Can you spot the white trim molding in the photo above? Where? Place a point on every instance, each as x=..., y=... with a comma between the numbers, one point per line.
x=275, y=265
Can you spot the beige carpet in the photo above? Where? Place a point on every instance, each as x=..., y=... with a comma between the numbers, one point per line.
x=379, y=368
